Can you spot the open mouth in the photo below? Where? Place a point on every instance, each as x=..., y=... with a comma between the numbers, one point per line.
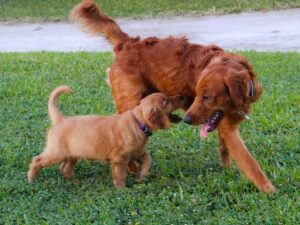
x=211, y=124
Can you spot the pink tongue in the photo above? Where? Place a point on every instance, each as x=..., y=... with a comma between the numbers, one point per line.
x=203, y=131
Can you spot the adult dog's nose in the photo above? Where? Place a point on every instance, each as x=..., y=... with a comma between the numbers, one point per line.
x=187, y=119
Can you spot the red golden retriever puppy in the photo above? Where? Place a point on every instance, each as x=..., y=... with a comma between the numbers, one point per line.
x=119, y=138
x=219, y=87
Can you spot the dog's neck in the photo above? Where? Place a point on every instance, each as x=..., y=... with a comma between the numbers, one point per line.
x=138, y=117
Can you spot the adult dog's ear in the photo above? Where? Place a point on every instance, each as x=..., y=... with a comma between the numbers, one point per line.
x=158, y=118
x=236, y=83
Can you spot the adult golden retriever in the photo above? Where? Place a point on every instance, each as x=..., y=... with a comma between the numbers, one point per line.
x=219, y=87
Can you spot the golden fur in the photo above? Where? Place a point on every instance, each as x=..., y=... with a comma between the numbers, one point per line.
x=117, y=138
x=210, y=79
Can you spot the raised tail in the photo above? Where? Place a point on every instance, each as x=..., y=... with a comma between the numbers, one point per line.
x=88, y=15
x=54, y=114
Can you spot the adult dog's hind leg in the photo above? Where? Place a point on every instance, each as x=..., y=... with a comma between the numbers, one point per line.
x=127, y=90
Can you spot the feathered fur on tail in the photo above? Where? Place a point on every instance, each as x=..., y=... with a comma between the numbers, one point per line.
x=54, y=114
x=93, y=21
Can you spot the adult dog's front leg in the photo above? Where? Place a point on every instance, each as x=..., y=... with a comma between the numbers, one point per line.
x=225, y=159
x=239, y=152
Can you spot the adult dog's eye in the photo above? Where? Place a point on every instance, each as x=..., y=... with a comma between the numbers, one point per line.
x=205, y=97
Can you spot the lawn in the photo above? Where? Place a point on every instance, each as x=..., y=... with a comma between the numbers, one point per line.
x=58, y=10
x=186, y=186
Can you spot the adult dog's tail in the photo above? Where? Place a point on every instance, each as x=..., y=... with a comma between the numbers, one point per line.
x=93, y=21
x=54, y=114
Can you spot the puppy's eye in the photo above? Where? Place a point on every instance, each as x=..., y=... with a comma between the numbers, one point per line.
x=166, y=102
x=205, y=97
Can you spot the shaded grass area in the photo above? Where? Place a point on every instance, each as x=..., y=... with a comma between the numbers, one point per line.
x=58, y=10
x=186, y=185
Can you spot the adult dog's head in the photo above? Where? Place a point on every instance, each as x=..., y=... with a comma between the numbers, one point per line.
x=226, y=87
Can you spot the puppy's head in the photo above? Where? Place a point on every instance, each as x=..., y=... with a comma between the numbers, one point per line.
x=156, y=108
x=226, y=88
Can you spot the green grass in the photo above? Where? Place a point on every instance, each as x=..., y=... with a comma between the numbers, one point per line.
x=186, y=185
x=58, y=10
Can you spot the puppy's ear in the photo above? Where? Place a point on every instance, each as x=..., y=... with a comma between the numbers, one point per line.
x=237, y=86
x=158, y=118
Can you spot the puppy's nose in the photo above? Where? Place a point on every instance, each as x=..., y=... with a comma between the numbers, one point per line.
x=187, y=119
x=181, y=97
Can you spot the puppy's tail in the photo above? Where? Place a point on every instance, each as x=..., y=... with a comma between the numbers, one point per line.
x=54, y=114
x=94, y=21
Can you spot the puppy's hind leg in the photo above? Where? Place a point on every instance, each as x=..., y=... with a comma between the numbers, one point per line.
x=45, y=159
x=67, y=167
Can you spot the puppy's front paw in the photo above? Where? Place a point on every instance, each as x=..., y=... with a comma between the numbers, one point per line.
x=133, y=167
x=140, y=177
x=119, y=185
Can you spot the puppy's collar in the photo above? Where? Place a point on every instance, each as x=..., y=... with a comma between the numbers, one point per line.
x=143, y=127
